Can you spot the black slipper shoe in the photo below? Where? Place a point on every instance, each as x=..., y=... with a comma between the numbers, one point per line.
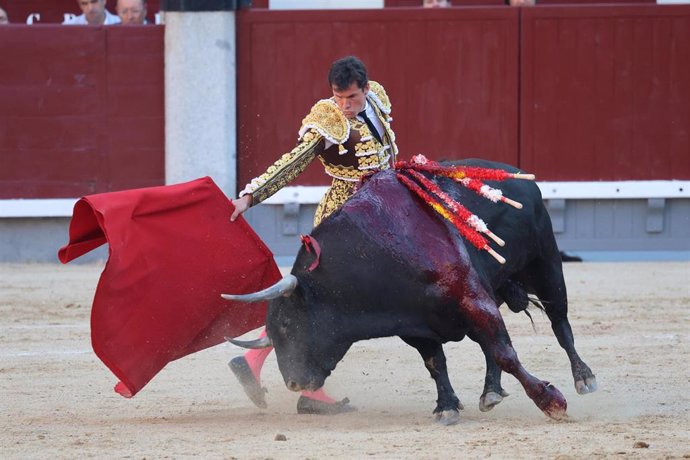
x=254, y=391
x=312, y=406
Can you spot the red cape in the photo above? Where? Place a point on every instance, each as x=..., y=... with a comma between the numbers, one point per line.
x=172, y=252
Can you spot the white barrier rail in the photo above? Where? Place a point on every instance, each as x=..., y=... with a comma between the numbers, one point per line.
x=62, y=207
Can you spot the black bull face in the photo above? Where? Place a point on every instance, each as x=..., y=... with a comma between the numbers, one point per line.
x=390, y=266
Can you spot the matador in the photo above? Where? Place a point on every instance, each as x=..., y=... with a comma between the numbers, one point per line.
x=351, y=134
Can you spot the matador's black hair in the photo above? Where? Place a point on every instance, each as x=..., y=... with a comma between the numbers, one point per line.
x=346, y=71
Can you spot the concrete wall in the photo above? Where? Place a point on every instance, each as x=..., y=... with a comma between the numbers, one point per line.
x=612, y=229
x=595, y=229
x=37, y=239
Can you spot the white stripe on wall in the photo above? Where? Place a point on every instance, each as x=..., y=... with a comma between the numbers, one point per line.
x=18, y=208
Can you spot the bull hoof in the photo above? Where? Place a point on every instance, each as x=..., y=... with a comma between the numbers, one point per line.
x=448, y=417
x=589, y=385
x=552, y=402
x=489, y=400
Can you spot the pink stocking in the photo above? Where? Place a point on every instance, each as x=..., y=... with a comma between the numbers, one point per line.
x=256, y=357
x=319, y=395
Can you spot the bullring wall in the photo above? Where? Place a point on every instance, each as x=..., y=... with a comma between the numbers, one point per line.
x=585, y=94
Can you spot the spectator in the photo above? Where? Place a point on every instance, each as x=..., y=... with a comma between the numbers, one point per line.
x=436, y=3
x=93, y=14
x=521, y=2
x=132, y=12
x=3, y=17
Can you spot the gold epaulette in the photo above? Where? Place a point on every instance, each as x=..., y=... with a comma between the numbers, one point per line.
x=380, y=97
x=327, y=119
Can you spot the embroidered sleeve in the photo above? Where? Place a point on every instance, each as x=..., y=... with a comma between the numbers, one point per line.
x=286, y=169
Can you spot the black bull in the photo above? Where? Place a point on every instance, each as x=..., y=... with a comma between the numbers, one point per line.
x=391, y=266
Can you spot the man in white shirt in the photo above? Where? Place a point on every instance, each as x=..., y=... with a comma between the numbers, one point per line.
x=93, y=14
x=521, y=2
x=3, y=17
x=131, y=12
x=436, y=3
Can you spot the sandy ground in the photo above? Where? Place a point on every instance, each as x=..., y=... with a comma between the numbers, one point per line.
x=631, y=322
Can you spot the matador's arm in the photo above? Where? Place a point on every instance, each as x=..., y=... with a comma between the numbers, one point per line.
x=325, y=125
x=286, y=169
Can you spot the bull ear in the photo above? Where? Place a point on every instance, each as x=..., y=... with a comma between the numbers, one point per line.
x=283, y=287
x=261, y=342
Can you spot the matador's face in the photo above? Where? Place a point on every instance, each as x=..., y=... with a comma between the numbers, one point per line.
x=352, y=100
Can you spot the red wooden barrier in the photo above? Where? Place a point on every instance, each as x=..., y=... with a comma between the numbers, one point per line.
x=601, y=93
x=82, y=110
x=606, y=92
x=451, y=75
x=418, y=3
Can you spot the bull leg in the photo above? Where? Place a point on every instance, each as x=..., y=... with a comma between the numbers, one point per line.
x=448, y=405
x=549, y=286
x=491, y=334
x=493, y=391
x=585, y=381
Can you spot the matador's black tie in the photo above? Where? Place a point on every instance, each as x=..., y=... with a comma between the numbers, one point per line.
x=370, y=124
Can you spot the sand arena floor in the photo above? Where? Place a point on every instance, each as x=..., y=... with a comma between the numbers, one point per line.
x=631, y=323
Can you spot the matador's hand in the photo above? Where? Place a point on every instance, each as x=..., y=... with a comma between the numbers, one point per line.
x=241, y=205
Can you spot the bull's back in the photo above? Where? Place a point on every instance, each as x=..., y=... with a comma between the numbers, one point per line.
x=527, y=232
x=386, y=250
x=391, y=263
x=387, y=217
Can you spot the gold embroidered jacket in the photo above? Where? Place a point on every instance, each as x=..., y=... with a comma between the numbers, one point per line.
x=352, y=151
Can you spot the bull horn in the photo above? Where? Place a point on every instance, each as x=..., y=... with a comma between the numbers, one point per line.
x=282, y=287
x=261, y=342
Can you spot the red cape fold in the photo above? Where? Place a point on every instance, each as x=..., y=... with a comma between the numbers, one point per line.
x=172, y=252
